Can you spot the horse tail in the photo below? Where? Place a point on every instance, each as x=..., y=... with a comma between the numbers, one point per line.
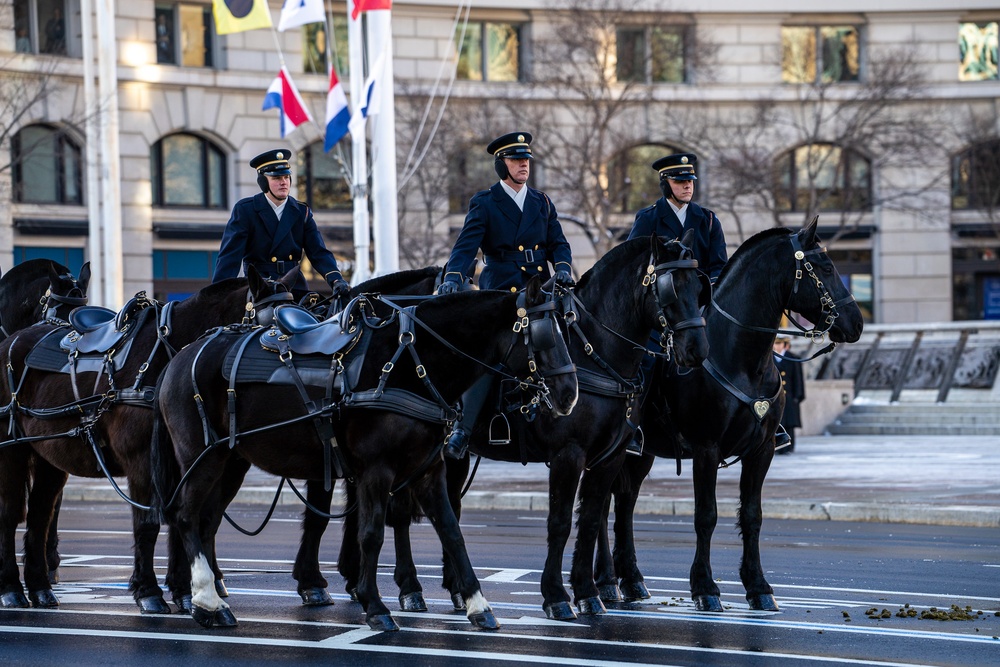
x=163, y=463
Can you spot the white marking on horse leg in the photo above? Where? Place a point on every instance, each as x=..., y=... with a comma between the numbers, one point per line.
x=203, y=585
x=476, y=604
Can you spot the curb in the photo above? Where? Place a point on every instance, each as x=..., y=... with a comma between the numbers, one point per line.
x=976, y=516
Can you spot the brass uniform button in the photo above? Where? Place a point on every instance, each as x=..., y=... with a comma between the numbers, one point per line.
x=520, y=247
x=524, y=268
x=539, y=268
x=289, y=257
x=274, y=259
x=536, y=246
x=513, y=289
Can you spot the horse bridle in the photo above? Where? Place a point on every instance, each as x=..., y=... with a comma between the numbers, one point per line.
x=51, y=302
x=666, y=293
x=540, y=334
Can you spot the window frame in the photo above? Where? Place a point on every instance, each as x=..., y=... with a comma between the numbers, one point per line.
x=62, y=143
x=483, y=42
x=649, y=54
x=843, y=170
x=211, y=38
x=305, y=175
x=157, y=180
x=994, y=51
x=974, y=192
x=817, y=65
x=618, y=172
x=35, y=24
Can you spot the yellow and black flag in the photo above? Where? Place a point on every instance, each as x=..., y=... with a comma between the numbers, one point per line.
x=240, y=15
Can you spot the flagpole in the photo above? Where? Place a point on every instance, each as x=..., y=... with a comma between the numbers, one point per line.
x=384, y=208
x=359, y=154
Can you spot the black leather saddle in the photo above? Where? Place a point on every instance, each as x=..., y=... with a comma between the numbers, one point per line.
x=299, y=331
x=98, y=330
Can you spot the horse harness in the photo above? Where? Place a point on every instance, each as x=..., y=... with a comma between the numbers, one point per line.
x=51, y=303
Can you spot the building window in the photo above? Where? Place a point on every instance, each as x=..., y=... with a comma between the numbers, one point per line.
x=977, y=50
x=975, y=177
x=177, y=274
x=71, y=258
x=47, y=26
x=855, y=269
x=471, y=171
x=822, y=177
x=187, y=170
x=322, y=179
x=184, y=35
x=820, y=54
x=489, y=52
x=315, y=45
x=632, y=182
x=650, y=54
x=46, y=167
x=976, y=282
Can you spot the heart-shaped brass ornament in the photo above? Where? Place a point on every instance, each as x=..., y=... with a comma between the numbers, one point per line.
x=761, y=408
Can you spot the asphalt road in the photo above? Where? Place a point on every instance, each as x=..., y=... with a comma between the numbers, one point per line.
x=826, y=576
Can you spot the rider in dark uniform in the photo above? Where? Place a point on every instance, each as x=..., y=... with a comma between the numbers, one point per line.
x=792, y=380
x=271, y=230
x=518, y=229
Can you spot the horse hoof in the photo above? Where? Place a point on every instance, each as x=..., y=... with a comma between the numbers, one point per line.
x=220, y=588
x=54, y=576
x=707, y=603
x=635, y=591
x=610, y=593
x=458, y=602
x=13, y=600
x=485, y=620
x=591, y=607
x=559, y=611
x=43, y=599
x=763, y=602
x=153, y=604
x=315, y=597
x=204, y=617
x=183, y=604
x=382, y=623
x=224, y=618
x=412, y=602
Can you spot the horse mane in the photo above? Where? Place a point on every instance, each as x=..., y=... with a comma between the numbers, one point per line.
x=741, y=253
x=213, y=291
x=392, y=282
x=613, y=257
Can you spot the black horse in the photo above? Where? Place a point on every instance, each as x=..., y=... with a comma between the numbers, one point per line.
x=57, y=415
x=39, y=289
x=640, y=286
x=385, y=446
x=729, y=408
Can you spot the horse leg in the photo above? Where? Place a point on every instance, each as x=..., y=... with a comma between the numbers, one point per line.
x=311, y=582
x=145, y=590
x=594, y=490
x=704, y=591
x=373, y=497
x=349, y=559
x=436, y=505
x=564, y=478
x=633, y=587
x=52, y=557
x=456, y=472
x=178, y=579
x=46, y=487
x=604, y=569
x=401, y=514
x=13, y=475
x=760, y=595
x=232, y=479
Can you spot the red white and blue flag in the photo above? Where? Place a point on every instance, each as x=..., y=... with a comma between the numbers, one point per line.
x=282, y=94
x=337, y=114
x=369, y=5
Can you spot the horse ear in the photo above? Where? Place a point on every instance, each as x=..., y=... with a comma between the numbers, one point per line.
x=533, y=290
x=807, y=235
x=53, y=274
x=84, y=280
x=289, y=278
x=256, y=282
x=688, y=239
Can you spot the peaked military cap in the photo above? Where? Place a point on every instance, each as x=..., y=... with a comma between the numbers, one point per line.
x=273, y=162
x=516, y=145
x=678, y=167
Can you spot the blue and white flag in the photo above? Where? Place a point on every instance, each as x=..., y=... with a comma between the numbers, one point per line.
x=300, y=12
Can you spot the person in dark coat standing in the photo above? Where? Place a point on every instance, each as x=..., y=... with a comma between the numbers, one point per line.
x=518, y=230
x=271, y=230
x=674, y=213
x=793, y=382
x=516, y=226
x=670, y=217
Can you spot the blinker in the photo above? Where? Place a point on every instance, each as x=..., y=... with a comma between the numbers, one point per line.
x=542, y=333
x=666, y=294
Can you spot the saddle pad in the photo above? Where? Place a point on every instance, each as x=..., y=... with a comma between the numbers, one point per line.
x=260, y=365
x=49, y=356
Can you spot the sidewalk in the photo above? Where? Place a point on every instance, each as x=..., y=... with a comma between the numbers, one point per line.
x=898, y=479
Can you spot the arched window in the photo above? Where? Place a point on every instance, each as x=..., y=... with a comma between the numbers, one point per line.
x=823, y=177
x=321, y=181
x=188, y=171
x=471, y=171
x=975, y=177
x=46, y=167
x=632, y=183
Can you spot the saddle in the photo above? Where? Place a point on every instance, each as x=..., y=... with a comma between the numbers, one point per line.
x=99, y=330
x=299, y=331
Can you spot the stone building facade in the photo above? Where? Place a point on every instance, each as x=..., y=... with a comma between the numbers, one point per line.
x=913, y=223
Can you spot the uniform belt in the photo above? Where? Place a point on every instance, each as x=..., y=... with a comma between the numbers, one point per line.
x=523, y=256
x=280, y=268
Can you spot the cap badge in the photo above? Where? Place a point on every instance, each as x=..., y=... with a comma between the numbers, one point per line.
x=684, y=159
x=280, y=155
x=520, y=138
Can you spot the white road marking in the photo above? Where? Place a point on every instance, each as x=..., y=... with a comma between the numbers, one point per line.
x=507, y=576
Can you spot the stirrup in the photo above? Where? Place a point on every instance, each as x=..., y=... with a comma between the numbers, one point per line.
x=635, y=445
x=495, y=440
x=781, y=438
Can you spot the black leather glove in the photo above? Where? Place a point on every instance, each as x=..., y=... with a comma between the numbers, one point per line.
x=564, y=279
x=448, y=287
x=340, y=287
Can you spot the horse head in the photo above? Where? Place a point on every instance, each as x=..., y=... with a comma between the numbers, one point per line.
x=819, y=293
x=681, y=290
x=266, y=293
x=548, y=354
x=65, y=291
